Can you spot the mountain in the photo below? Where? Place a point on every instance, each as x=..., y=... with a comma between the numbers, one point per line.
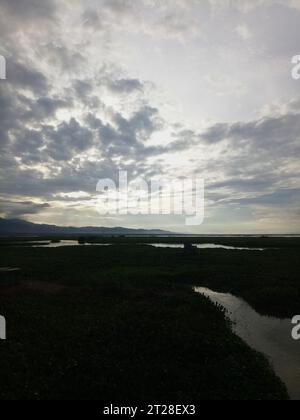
x=21, y=227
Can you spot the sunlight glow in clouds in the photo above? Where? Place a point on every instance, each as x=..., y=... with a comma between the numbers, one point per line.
x=158, y=89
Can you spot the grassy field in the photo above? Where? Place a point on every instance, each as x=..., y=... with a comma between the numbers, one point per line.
x=122, y=322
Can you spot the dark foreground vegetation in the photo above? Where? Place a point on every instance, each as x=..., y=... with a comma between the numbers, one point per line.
x=122, y=322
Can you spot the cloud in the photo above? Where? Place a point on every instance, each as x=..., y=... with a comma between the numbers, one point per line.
x=44, y=107
x=19, y=209
x=83, y=88
x=276, y=135
x=67, y=140
x=21, y=76
x=247, y=6
x=63, y=58
x=244, y=32
x=125, y=86
x=29, y=9
x=168, y=19
x=95, y=87
x=126, y=136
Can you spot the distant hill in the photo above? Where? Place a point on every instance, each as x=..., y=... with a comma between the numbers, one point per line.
x=21, y=227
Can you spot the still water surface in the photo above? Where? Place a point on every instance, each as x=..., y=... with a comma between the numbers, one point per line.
x=64, y=243
x=207, y=246
x=270, y=336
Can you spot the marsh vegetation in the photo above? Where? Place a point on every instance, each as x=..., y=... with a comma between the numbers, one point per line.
x=123, y=321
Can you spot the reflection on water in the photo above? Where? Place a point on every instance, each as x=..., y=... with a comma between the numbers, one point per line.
x=267, y=335
x=207, y=246
x=8, y=269
x=64, y=243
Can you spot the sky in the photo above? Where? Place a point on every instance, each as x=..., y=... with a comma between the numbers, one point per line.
x=168, y=89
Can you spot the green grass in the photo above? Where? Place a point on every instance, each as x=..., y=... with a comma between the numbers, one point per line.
x=122, y=322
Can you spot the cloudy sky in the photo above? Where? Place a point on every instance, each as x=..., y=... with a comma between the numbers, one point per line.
x=159, y=88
